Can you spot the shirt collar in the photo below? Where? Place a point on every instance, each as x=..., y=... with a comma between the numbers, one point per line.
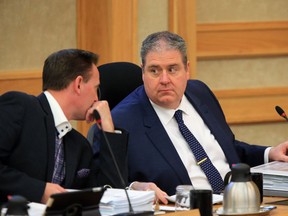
x=184, y=105
x=62, y=125
x=166, y=115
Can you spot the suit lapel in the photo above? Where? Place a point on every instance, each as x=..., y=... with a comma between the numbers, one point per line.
x=71, y=157
x=214, y=126
x=50, y=129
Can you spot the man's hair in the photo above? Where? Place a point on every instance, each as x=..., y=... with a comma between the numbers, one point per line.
x=163, y=40
x=62, y=67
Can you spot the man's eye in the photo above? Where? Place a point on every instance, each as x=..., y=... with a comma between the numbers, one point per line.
x=153, y=71
x=172, y=70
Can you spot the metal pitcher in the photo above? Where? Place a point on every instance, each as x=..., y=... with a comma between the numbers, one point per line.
x=241, y=195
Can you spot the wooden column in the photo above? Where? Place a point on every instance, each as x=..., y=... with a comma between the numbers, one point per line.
x=182, y=21
x=108, y=28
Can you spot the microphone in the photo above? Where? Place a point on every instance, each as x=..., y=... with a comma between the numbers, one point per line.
x=281, y=112
x=131, y=211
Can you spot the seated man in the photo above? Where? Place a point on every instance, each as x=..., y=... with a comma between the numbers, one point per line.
x=40, y=153
x=162, y=149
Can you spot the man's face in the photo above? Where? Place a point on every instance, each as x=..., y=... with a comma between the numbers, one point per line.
x=165, y=77
x=89, y=92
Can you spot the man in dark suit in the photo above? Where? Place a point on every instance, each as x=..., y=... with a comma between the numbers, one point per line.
x=157, y=151
x=40, y=153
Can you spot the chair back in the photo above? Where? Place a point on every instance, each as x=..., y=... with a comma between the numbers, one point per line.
x=117, y=80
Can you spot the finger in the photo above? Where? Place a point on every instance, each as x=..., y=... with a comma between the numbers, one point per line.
x=162, y=199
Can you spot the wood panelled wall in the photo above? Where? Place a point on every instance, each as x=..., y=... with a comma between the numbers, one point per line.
x=234, y=40
x=27, y=81
x=237, y=40
x=109, y=28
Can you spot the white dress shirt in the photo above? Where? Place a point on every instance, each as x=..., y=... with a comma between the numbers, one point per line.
x=202, y=133
x=62, y=125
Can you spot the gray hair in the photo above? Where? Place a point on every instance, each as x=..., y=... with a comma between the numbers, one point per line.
x=164, y=40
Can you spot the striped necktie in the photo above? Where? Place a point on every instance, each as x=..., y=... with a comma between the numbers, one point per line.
x=202, y=158
x=59, y=167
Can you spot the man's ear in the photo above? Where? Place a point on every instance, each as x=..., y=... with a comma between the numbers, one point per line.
x=142, y=67
x=188, y=70
x=78, y=84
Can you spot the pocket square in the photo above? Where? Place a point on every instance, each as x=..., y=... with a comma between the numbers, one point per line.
x=83, y=173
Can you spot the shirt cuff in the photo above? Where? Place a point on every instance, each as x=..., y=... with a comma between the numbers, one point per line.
x=130, y=186
x=266, y=155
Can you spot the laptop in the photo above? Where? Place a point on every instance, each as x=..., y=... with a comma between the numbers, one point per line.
x=83, y=202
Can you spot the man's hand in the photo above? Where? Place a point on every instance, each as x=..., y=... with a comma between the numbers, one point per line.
x=145, y=186
x=103, y=109
x=51, y=189
x=279, y=152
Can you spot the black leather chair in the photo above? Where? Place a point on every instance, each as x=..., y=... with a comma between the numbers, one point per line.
x=117, y=80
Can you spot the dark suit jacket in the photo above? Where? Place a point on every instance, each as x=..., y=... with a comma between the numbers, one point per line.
x=151, y=154
x=27, y=145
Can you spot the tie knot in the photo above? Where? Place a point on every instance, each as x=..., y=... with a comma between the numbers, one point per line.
x=178, y=116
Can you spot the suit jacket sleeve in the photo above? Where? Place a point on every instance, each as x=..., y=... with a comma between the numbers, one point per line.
x=15, y=143
x=104, y=160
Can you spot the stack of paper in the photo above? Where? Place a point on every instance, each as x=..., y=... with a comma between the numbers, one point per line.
x=115, y=201
x=275, y=178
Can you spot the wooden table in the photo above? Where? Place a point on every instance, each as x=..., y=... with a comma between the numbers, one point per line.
x=281, y=210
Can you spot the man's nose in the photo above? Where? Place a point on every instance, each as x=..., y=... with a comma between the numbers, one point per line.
x=164, y=77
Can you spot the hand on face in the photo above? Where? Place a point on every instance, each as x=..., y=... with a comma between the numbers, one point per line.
x=103, y=109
